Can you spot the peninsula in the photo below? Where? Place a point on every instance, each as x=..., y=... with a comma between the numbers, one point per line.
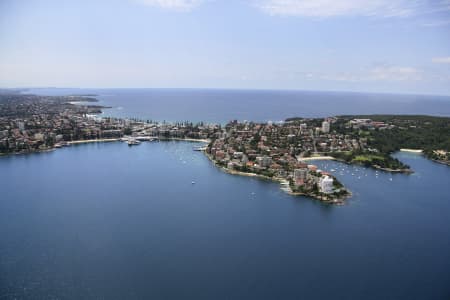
x=277, y=151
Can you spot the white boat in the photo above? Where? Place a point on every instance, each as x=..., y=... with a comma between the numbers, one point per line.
x=200, y=149
x=132, y=142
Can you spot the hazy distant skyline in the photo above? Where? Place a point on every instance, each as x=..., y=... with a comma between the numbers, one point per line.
x=393, y=46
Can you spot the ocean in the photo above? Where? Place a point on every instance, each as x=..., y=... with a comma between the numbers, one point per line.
x=221, y=106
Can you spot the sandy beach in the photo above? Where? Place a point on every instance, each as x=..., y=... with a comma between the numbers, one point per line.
x=411, y=150
x=185, y=139
x=315, y=158
x=92, y=141
x=119, y=139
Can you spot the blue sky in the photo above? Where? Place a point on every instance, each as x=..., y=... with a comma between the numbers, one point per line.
x=393, y=46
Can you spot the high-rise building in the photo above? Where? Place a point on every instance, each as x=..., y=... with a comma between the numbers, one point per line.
x=326, y=185
x=300, y=175
x=264, y=161
x=325, y=126
x=21, y=125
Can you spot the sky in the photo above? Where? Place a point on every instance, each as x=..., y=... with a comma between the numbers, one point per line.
x=392, y=46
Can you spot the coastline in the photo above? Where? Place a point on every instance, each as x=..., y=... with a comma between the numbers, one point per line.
x=185, y=140
x=28, y=152
x=91, y=141
x=442, y=162
x=404, y=171
x=79, y=142
x=312, y=158
x=119, y=139
x=284, y=184
x=233, y=172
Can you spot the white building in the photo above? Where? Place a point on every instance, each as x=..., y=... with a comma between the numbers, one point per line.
x=21, y=125
x=325, y=126
x=326, y=185
x=39, y=136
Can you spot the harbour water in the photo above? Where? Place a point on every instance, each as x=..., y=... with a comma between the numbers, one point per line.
x=108, y=221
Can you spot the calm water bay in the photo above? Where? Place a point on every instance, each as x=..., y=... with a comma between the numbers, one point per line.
x=108, y=221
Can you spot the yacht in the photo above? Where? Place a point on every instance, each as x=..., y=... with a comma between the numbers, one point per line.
x=132, y=142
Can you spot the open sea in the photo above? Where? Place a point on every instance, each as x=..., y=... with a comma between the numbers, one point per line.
x=108, y=221
x=221, y=106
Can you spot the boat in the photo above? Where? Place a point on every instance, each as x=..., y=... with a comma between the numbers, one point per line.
x=132, y=142
x=193, y=182
x=200, y=149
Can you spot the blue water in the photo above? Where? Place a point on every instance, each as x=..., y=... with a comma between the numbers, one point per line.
x=221, y=106
x=108, y=221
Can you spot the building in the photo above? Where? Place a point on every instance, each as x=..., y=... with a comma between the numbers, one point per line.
x=325, y=127
x=312, y=168
x=21, y=125
x=264, y=161
x=326, y=185
x=301, y=173
x=39, y=136
x=300, y=176
x=238, y=154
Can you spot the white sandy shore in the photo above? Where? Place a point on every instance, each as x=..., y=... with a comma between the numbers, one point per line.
x=411, y=150
x=186, y=139
x=92, y=141
x=78, y=102
x=315, y=158
x=118, y=139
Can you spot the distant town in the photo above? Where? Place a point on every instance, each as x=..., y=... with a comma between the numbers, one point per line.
x=274, y=150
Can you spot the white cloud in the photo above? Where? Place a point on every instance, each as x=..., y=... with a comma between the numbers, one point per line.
x=329, y=8
x=436, y=23
x=441, y=60
x=395, y=73
x=378, y=73
x=178, y=5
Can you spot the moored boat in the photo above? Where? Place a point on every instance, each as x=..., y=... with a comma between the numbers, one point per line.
x=132, y=142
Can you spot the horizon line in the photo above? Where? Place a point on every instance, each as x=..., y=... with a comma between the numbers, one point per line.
x=230, y=89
